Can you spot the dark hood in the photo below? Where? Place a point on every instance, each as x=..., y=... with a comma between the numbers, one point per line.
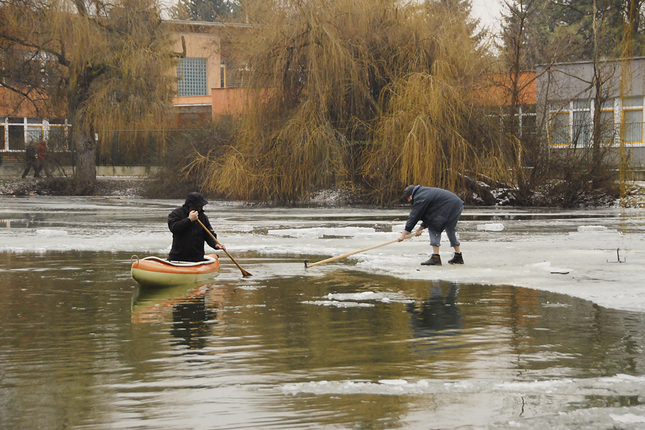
x=195, y=200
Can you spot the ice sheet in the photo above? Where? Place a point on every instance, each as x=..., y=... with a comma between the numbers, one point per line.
x=592, y=254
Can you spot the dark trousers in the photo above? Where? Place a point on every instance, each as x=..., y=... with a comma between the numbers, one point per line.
x=32, y=165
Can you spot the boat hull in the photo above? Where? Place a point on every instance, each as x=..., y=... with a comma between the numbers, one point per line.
x=153, y=271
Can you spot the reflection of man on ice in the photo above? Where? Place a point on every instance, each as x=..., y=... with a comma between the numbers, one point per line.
x=438, y=210
x=438, y=314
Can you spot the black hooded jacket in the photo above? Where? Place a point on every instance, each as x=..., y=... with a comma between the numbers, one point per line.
x=188, y=236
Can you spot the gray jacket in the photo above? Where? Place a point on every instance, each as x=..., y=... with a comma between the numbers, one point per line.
x=435, y=207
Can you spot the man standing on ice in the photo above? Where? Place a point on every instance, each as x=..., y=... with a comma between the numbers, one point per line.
x=438, y=210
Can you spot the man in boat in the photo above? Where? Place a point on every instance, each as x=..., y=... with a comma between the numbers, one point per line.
x=188, y=236
x=438, y=210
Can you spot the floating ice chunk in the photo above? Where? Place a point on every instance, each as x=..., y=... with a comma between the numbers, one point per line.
x=366, y=295
x=584, y=228
x=393, y=382
x=491, y=227
x=546, y=265
x=50, y=232
x=628, y=418
x=249, y=287
x=383, y=297
x=339, y=304
x=320, y=232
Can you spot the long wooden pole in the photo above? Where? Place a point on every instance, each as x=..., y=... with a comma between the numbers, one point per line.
x=351, y=253
x=244, y=272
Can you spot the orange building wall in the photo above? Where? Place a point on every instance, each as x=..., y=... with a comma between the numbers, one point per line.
x=200, y=46
x=233, y=101
x=12, y=104
x=496, y=89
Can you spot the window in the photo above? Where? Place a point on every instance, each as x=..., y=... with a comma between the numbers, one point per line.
x=581, y=127
x=560, y=128
x=630, y=102
x=607, y=126
x=581, y=104
x=57, y=137
x=34, y=133
x=633, y=123
x=581, y=135
x=529, y=125
x=191, y=73
x=3, y=142
x=222, y=74
x=16, y=137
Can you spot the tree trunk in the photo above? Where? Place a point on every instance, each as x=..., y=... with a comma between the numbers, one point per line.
x=85, y=172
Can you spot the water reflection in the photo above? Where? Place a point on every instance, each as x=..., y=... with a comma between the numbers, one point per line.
x=193, y=310
x=438, y=314
x=189, y=322
x=80, y=347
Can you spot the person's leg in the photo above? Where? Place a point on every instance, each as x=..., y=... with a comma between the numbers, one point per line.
x=451, y=231
x=435, y=242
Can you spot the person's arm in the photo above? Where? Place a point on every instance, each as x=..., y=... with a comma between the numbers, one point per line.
x=401, y=238
x=209, y=240
x=413, y=219
x=177, y=222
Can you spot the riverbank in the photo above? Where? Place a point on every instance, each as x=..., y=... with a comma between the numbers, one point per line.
x=107, y=186
x=135, y=187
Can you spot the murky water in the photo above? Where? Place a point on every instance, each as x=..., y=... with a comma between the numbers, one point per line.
x=82, y=347
x=342, y=347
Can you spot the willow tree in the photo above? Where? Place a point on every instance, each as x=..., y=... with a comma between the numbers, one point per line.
x=337, y=89
x=106, y=62
x=205, y=10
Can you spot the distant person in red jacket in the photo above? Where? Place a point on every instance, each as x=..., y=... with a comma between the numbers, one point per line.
x=42, y=149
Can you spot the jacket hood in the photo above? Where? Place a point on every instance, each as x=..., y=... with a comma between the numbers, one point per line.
x=195, y=200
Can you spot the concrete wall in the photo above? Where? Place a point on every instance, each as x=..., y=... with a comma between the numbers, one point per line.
x=570, y=81
x=15, y=171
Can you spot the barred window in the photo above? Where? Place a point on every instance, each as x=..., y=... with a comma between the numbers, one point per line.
x=560, y=128
x=34, y=133
x=581, y=128
x=633, y=123
x=191, y=73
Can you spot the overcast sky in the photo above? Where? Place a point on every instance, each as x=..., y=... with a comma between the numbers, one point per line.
x=488, y=11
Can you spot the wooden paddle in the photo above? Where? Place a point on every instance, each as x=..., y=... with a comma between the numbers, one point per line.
x=244, y=272
x=352, y=253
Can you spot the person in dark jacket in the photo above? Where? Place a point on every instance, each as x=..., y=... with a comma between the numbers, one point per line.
x=438, y=210
x=31, y=161
x=188, y=236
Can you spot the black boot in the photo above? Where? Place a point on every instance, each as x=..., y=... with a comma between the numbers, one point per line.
x=435, y=260
x=456, y=259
